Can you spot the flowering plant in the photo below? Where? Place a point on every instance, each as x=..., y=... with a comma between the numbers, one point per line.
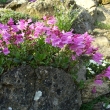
x=93, y=68
x=42, y=43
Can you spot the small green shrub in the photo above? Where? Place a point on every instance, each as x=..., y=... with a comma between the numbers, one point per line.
x=65, y=17
x=102, y=25
x=6, y=14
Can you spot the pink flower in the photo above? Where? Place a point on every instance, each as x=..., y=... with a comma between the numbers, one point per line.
x=88, y=50
x=22, y=24
x=99, y=82
x=100, y=76
x=107, y=73
x=32, y=0
x=66, y=37
x=97, y=57
x=44, y=18
x=48, y=40
x=6, y=51
x=39, y=29
x=10, y=22
x=73, y=57
x=55, y=41
x=19, y=39
x=94, y=90
x=14, y=28
x=6, y=36
x=51, y=20
x=108, y=69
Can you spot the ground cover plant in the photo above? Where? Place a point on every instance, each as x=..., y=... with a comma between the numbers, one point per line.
x=102, y=25
x=6, y=14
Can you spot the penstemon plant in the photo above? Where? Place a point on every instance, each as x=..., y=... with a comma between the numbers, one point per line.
x=42, y=43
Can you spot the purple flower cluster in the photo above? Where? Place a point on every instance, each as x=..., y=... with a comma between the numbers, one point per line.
x=104, y=74
x=99, y=78
x=16, y=34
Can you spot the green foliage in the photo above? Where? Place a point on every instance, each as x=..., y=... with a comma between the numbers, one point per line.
x=3, y=1
x=40, y=54
x=6, y=14
x=102, y=25
x=90, y=105
x=65, y=17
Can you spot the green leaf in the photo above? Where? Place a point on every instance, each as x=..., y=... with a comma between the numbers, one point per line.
x=1, y=70
x=15, y=60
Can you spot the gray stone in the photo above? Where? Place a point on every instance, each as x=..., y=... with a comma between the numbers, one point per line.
x=83, y=23
x=102, y=41
x=87, y=16
x=43, y=88
x=98, y=106
x=81, y=74
x=103, y=14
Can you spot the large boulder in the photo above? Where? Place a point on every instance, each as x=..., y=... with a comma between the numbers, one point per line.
x=102, y=41
x=43, y=88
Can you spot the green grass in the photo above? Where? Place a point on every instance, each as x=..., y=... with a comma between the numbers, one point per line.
x=102, y=25
x=65, y=18
x=90, y=105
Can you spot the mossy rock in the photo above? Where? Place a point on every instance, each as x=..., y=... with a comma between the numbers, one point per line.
x=6, y=14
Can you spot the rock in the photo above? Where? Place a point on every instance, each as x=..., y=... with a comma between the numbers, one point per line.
x=102, y=40
x=105, y=1
x=105, y=52
x=20, y=1
x=103, y=14
x=99, y=2
x=87, y=4
x=81, y=74
x=88, y=95
x=87, y=16
x=98, y=106
x=43, y=88
x=83, y=23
